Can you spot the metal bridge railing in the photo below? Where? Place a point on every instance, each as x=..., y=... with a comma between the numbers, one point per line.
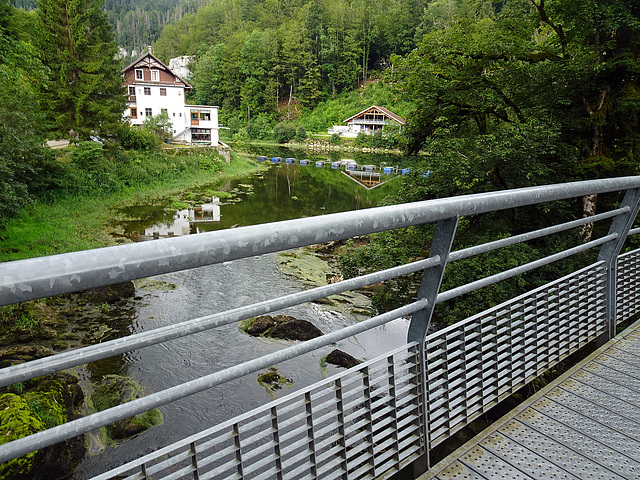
x=383, y=414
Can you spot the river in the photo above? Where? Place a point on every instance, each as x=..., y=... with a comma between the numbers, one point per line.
x=279, y=193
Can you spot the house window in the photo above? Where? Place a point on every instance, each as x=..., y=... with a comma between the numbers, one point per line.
x=201, y=135
x=194, y=115
x=205, y=115
x=134, y=112
x=148, y=112
x=155, y=75
x=139, y=75
x=147, y=90
x=174, y=114
x=132, y=91
x=163, y=92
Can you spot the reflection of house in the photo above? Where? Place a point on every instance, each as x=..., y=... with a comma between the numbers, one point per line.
x=368, y=121
x=185, y=221
x=153, y=88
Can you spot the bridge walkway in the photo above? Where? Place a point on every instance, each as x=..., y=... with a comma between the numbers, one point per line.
x=584, y=425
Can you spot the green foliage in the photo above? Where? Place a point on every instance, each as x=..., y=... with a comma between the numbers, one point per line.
x=284, y=132
x=160, y=125
x=301, y=133
x=22, y=126
x=335, y=139
x=17, y=420
x=272, y=57
x=261, y=128
x=241, y=137
x=84, y=94
x=135, y=138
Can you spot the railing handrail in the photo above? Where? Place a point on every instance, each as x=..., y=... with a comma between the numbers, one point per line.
x=71, y=272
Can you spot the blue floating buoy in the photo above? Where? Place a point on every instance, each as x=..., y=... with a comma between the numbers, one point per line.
x=305, y=162
x=289, y=161
x=352, y=166
x=335, y=165
x=262, y=159
x=369, y=168
x=405, y=171
x=387, y=170
x=425, y=175
x=320, y=163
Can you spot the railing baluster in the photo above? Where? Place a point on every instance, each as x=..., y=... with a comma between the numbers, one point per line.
x=310, y=435
x=194, y=461
x=341, y=430
x=276, y=441
x=610, y=251
x=366, y=380
x=429, y=289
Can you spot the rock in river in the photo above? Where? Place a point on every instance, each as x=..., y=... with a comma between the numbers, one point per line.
x=281, y=326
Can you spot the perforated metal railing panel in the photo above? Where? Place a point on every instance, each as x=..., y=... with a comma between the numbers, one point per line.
x=364, y=423
x=628, y=287
x=476, y=363
x=584, y=425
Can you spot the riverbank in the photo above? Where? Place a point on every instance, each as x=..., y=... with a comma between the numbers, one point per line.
x=82, y=222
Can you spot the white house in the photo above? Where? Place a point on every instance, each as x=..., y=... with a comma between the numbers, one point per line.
x=368, y=121
x=152, y=88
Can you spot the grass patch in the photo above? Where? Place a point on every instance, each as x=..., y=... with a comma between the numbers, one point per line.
x=82, y=222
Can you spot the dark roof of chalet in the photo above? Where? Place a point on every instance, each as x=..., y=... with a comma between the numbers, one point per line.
x=152, y=59
x=383, y=110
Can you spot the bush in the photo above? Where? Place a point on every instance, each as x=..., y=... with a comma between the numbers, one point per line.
x=88, y=155
x=134, y=138
x=242, y=137
x=284, y=132
x=261, y=128
x=301, y=133
x=335, y=139
x=160, y=125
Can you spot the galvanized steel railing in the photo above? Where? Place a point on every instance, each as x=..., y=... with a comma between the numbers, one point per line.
x=383, y=414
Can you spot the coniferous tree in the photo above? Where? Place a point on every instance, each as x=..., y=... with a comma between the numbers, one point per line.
x=22, y=149
x=85, y=92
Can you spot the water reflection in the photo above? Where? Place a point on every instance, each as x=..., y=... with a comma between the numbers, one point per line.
x=185, y=222
x=282, y=192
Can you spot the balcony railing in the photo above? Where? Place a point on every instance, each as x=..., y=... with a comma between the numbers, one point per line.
x=386, y=413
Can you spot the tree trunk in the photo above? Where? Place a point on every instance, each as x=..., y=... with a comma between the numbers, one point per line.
x=588, y=210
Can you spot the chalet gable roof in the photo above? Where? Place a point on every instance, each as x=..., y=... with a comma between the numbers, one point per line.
x=378, y=110
x=149, y=60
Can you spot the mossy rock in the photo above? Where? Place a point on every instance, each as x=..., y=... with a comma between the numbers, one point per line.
x=17, y=420
x=115, y=390
x=110, y=293
x=282, y=327
x=22, y=353
x=271, y=380
x=341, y=359
x=40, y=404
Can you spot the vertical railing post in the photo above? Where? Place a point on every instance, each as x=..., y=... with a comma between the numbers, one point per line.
x=609, y=254
x=420, y=321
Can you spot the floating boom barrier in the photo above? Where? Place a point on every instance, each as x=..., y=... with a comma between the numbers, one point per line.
x=348, y=165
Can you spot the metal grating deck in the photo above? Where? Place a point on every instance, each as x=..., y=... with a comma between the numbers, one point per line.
x=584, y=425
